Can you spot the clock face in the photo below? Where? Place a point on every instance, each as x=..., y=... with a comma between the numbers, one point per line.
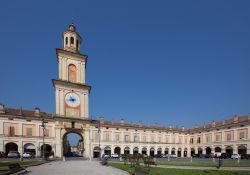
x=72, y=99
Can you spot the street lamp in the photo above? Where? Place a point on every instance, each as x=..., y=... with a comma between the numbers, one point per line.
x=99, y=132
x=43, y=126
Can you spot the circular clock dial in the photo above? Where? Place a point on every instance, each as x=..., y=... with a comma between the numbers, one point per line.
x=72, y=99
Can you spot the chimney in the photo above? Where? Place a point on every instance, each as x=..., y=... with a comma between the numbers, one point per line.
x=122, y=121
x=2, y=108
x=37, y=111
x=213, y=123
x=235, y=119
x=101, y=120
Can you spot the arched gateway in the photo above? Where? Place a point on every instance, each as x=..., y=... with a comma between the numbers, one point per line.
x=72, y=142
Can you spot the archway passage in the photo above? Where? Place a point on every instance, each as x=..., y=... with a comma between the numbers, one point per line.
x=179, y=152
x=166, y=151
x=229, y=150
x=173, y=151
x=47, y=149
x=117, y=150
x=29, y=147
x=144, y=151
x=208, y=152
x=107, y=150
x=199, y=152
x=185, y=152
x=11, y=147
x=159, y=151
x=136, y=150
x=73, y=144
x=96, y=152
x=242, y=150
x=192, y=152
x=126, y=150
x=152, y=152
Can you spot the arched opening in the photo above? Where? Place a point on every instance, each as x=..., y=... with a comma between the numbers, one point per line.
x=199, y=152
x=229, y=150
x=73, y=145
x=242, y=150
x=29, y=147
x=107, y=150
x=166, y=152
x=46, y=150
x=173, y=151
x=117, y=150
x=144, y=151
x=152, y=152
x=185, y=152
x=208, y=152
x=66, y=40
x=179, y=152
x=192, y=152
x=72, y=73
x=71, y=40
x=77, y=44
x=217, y=151
x=136, y=150
x=96, y=152
x=159, y=151
x=126, y=150
x=11, y=147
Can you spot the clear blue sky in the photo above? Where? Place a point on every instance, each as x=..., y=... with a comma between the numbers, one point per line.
x=166, y=62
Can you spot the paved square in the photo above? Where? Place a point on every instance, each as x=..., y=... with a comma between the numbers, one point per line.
x=74, y=168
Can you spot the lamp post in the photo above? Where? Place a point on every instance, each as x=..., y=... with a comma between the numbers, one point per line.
x=43, y=126
x=99, y=132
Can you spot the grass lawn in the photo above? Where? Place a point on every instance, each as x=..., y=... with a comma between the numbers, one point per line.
x=25, y=163
x=163, y=171
x=203, y=164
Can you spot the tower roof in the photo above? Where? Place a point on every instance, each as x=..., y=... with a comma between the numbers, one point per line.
x=72, y=27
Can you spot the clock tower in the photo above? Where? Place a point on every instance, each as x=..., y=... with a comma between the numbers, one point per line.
x=72, y=92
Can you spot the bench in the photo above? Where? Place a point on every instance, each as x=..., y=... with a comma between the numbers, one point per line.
x=15, y=167
x=140, y=171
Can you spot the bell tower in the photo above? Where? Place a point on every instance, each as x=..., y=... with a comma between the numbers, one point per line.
x=72, y=93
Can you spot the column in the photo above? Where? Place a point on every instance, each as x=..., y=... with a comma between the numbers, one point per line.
x=61, y=101
x=60, y=68
x=64, y=69
x=57, y=101
x=83, y=72
x=78, y=73
x=82, y=105
x=59, y=145
x=87, y=146
x=86, y=105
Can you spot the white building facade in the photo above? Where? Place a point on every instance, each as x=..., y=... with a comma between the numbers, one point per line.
x=23, y=130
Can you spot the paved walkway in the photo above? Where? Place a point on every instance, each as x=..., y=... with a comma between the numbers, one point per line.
x=80, y=167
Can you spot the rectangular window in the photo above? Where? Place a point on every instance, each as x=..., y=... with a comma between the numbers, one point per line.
x=217, y=138
x=159, y=139
x=46, y=133
x=29, y=131
x=126, y=138
x=166, y=139
x=179, y=139
x=144, y=138
x=136, y=138
x=242, y=135
x=152, y=139
x=11, y=131
x=229, y=136
x=117, y=137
